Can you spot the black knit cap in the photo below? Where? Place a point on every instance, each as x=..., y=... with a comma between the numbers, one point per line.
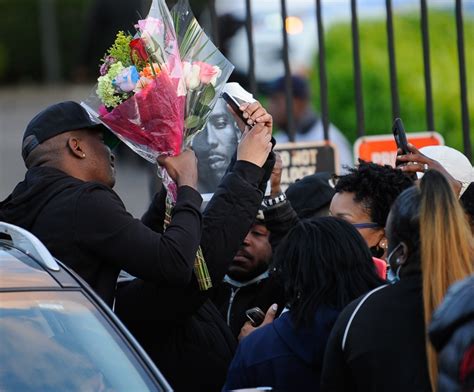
x=59, y=118
x=310, y=194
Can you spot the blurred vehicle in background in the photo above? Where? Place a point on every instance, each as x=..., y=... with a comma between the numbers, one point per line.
x=55, y=332
x=300, y=26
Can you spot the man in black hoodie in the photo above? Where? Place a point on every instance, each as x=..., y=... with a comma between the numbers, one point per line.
x=67, y=201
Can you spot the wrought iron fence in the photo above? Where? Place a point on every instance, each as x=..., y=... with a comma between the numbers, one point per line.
x=358, y=93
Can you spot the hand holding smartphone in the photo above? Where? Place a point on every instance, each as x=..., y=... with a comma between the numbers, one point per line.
x=234, y=105
x=255, y=316
x=235, y=95
x=400, y=136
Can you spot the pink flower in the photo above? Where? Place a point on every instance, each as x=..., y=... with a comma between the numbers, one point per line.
x=150, y=24
x=208, y=73
x=150, y=27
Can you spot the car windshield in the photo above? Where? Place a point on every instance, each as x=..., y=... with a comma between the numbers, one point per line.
x=58, y=341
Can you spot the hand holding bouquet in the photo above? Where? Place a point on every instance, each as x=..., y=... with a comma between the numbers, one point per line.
x=158, y=87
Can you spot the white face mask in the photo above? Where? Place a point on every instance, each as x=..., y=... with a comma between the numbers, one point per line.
x=393, y=277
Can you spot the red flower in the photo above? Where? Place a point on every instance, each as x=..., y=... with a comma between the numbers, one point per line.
x=137, y=47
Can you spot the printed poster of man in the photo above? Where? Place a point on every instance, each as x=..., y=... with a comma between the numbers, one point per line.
x=216, y=144
x=214, y=147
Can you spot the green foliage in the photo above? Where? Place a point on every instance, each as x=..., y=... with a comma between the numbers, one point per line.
x=19, y=39
x=207, y=95
x=192, y=121
x=376, y=82
x=120, y=50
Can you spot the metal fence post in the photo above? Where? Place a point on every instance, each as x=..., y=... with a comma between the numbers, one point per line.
x=427, y=66
x=288, y=82
x=322, y=72
x=214, y=22
x=392, y=61
x=249, y=28
x=463, y=81
x=359, y=99
x=49, y=41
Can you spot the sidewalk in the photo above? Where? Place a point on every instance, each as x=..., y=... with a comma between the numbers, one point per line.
x=20, y=103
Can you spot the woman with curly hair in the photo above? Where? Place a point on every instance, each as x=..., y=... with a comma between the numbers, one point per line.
x=364, y=197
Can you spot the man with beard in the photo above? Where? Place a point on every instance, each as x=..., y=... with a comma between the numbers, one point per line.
x=214, y=147
x=249, y=282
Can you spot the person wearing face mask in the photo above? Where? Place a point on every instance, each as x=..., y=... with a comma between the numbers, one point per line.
x=364, y=196
x=379, y=341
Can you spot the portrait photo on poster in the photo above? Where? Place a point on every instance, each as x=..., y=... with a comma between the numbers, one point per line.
x=214, y=147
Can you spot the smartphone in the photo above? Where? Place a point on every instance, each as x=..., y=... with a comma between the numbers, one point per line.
x=255, y=316
x=400, y=136
x=234, y=105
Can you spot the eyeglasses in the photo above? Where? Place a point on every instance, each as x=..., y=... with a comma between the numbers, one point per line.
x=367, y=225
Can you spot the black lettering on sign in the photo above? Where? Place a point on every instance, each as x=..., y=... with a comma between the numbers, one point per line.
x=302, y=159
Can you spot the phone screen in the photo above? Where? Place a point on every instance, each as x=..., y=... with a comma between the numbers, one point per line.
x=399, y=134
x=255, y=315
x=234, y=104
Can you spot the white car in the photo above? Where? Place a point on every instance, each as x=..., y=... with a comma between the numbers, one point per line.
x=55, y=332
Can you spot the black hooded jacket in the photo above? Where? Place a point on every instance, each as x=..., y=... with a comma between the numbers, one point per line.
x=176, y=323
x=86, y=226
x=180, y=328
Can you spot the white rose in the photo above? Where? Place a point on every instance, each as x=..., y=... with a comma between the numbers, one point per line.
x=191, y=75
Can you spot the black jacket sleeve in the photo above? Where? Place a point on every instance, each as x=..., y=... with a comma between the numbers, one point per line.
x=226, y=221
x=336, y=375
x=229, y=216
x=125, y=242
x=154, y=217
x=279, y=220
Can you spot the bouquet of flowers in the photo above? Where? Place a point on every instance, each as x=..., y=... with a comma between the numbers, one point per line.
x=158, y=87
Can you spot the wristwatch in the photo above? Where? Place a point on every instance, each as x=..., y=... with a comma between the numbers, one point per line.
x=276, y=200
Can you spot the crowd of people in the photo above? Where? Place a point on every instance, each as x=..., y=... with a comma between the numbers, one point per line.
x=348, y=272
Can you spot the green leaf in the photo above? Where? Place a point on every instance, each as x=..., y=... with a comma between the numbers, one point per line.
x=207, y=95
x=192, y=122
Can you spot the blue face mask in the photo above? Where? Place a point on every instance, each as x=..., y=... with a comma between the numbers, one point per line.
x=393, y=276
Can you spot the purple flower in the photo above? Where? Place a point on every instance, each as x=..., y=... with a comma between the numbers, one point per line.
x=104, y=68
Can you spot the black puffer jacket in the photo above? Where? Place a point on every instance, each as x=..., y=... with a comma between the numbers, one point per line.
x=86, y=226
x=181, y=329
x=452, y=334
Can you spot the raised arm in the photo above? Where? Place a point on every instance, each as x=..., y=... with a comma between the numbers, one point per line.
x=128, y=244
